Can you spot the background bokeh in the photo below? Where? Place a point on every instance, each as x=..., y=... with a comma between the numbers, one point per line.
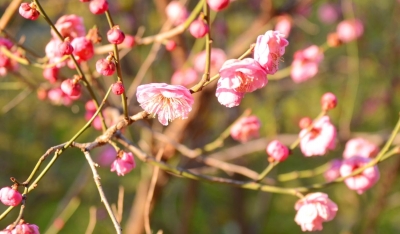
x=363, y=74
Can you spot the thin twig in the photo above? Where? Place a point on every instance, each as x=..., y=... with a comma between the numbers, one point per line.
x=92, y=220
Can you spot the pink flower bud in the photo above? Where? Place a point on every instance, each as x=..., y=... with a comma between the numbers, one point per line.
x=278, y=151
x=65, y=47
x=118, y=88
x=24, y=228
x=328, y=13
x=83, y=48
x=51, y=74
x=90, y=106
x=28, y=11
x=71, y=88
x=198, y=28
x=246, y=128
x=106, y=67
x=218, y=5
x=328, y=101
x=349, y=30
x=115, y=35
x=170, y=45
x=10, y=196
x=129, y=41
x=305, y=122
x=98, y=6
x=123, y=164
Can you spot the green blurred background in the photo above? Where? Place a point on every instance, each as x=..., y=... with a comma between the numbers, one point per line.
x=364, y=73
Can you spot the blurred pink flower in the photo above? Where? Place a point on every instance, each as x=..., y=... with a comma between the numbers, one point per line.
x=243, y=75
x=313, y=210
x=284, y=25
x=319, y=139
x=305, y=63
x=360, y=147
x=328, y=13
x=333, y=172
x=53, y=52
x=107, y=156
x=24, y=228
x=58, y=97
x=7, y=64
x=184, y=77
x=123, y=164
x=10, y=196
x=278, y=151
x=246, y=129
x=167, y=101
x=218, y=57
x=71, y=88
x=363, y=181
x=98, y=6
x=349, y=30
x=218, y=5
x=269, y=49
x=176, y=12
x=69, y=26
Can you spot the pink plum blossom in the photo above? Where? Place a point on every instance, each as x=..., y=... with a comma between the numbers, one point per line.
x=349, y=30
x=313, y=210
x=53, y=53
x=98, y=6
x=167, y=101
x=319, y=139
x=333, y=172
x=269, y=49
x=83, y=48
x=106, y=66
x=10, y=196
x=29, y=11
x=24, y=228
x=246, y=128
x=217, y=58
x=184, y=77
x=176, y=12
x=363, y=181
x=118, y=88
x=328, y=13
x=227, y=96
x=305, y=63
x=115, y=35
x=360, y=147
x=278, y=151
x=284, y=25
x=7, y=64
x=123, y=164
x=243, y=75
x=71, y=87
x=70, y=26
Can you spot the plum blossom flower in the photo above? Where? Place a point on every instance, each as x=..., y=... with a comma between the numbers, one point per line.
x=239, y=77
x=198, y=28
x=70, y=26
x=7, y=64
x=305, y=63
x=29, y=11
x=24, y=228
x=278, y=151
x=319, y=139
x=218, y=5
x=349, y=30
x=176, y=12
x=246, y=128
x=328, y=13
x=123, y=164
x=83, y=48
x=167, y=101
x=269, y=49
x=363, y=181
x=333, y=172
x=218, y=57
x=360, y=147
x=184, y=77
x=10, y=196
x=313, y=210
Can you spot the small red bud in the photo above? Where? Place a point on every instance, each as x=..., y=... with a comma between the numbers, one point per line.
x=170, y=45
x=118, y=88
x=198, y=28
x=66, y=47
x=71, y=88
x=106, y=67
x=115, y=35
x=28, y=11
x=328, y=101
x=305, y=122
x=98, y=6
